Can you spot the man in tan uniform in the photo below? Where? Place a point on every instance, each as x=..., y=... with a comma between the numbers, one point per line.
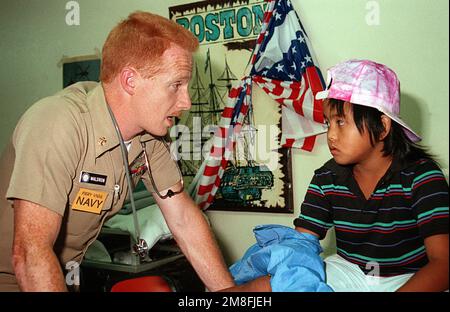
x=63, y=174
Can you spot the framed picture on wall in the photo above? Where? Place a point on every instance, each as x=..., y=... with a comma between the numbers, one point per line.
x=257, y=188
x=80, y=68
x=258, y=177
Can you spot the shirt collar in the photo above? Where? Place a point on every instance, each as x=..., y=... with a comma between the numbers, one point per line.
x=105, y=135
x=136, y=144
x=345, y=172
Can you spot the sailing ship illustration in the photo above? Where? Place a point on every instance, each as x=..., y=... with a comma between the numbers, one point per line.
x=204, y=116
x=243, y=179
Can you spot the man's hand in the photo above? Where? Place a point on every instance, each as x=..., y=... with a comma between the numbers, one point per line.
x=261, y=284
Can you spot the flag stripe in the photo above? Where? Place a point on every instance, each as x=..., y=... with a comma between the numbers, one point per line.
x=284, y=68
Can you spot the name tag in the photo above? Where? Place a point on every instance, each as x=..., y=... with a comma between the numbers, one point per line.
x=94, y=178
x=89, y=200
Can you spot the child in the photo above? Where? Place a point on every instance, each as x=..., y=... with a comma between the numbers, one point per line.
x=385, y=196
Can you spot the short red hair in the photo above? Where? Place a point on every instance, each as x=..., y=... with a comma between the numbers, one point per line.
x=139, y=41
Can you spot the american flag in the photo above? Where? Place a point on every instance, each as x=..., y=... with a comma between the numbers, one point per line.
x=283, y=66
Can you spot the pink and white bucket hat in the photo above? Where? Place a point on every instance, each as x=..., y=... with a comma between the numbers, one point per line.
x=370, y=84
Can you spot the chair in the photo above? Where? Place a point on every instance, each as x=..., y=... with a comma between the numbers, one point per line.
x=143, y=284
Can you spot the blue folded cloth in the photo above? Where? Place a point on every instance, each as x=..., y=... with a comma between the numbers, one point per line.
x=290, y=257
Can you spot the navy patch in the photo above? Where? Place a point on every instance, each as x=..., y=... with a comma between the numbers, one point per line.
x=93, y=178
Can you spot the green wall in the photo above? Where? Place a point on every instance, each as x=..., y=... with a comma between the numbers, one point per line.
x=411, y=36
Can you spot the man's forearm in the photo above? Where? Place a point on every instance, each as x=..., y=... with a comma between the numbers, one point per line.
x=40, y=271
x=196, y=240
x=200, y=247
x=35, y=264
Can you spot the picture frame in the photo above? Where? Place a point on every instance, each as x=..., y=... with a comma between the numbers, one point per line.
x=258, y=184
x=80, y=68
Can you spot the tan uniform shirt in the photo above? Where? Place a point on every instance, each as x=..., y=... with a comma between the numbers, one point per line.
x=64, y=155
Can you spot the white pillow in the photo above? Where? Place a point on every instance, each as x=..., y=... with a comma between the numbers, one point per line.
x=152, y=224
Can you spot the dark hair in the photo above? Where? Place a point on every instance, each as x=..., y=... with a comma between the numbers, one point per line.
x=396, y=143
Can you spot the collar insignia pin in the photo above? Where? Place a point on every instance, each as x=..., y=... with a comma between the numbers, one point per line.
x=102, y=141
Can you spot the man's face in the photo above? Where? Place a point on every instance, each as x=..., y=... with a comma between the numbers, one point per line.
x=165, y=95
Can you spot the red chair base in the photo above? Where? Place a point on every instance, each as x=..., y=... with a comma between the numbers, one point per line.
x=142, y=284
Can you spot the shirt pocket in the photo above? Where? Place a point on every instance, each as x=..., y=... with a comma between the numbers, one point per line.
x=88, y=205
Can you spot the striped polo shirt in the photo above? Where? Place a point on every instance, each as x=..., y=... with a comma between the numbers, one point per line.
x=385, y=232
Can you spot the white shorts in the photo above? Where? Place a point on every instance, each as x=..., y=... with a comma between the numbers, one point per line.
x=343, y=276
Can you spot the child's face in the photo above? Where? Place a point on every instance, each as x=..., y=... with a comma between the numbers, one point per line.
x=347, y=145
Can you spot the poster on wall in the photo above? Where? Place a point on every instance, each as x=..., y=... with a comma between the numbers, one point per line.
x=80, y=68
x=257, y=177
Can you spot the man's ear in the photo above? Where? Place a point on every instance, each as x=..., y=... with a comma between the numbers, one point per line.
x=386, y=121
x=128, y=80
